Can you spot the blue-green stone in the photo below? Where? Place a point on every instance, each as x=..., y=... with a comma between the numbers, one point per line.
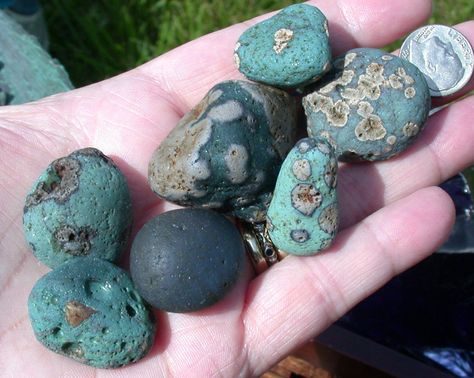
x=372, y=107
x=27, y=71
x=290, y=49
x=303, y=215
x=226, y=152
x=88, y=309
x=79, y=206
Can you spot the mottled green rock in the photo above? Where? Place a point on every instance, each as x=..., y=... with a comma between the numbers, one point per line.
x=371, y=107
x=88, y=309
x=303, y=215
x=226, y=152
x=79, y=206
x=29, y=72
x=290, y=49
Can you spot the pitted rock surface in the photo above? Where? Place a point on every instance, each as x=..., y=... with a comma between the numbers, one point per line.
x=303, y=215
x=290, y=49
x=372, y=106
x=80, y=206
x=89, y=310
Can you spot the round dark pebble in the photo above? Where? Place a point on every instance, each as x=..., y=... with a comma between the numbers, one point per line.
x=185, y=260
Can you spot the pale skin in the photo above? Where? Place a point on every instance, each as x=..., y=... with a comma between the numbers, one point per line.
x=392, y=215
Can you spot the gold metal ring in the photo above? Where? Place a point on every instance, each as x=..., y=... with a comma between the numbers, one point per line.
x=261, y=251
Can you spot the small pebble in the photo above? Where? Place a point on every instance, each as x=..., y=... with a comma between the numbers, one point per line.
x=88, y=309
x=186, y=260
x=226, y=152
x=372, y=107
x=80, y=206
x=289, y=50
x=303, y=215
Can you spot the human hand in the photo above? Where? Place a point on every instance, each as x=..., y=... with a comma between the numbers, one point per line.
x=391, y=217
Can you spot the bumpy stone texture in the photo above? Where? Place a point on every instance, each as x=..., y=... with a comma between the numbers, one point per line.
x=89, y=310
x=303, y=215
x=79, y=206
x=371, y=108
x=187, y=259
x=290, y=49
x=226, y=152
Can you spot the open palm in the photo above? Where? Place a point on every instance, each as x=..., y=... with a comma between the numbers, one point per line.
x=391, y=216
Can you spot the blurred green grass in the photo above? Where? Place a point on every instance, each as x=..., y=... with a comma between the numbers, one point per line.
x=99, y=39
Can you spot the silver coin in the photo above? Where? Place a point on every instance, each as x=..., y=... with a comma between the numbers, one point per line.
x=444, y=56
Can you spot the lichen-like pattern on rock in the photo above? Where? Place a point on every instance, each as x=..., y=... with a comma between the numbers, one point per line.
x=371, y=107
x=290, y=49
x=303, y=215
x=79, y=206
x=226, y=152
x=89, y=310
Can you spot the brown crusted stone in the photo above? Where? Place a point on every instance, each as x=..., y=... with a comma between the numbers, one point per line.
x=329, y=219
x=74, y=241
x=370, y=128
x=305, y=198
x=299, y=236
x=75, y=313
x=410, y=129
x=302, y=169
x=281, y=38
x=62, y=180
x=330, y=173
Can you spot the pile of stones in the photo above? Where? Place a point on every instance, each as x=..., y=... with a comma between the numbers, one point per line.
x=239, y=153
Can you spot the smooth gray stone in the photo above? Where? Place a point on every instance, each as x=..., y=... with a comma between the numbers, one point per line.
x=186, y=260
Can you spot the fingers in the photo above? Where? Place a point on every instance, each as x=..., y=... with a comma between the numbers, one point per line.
x=189, y=71
x=443, y=149
x=299, y=297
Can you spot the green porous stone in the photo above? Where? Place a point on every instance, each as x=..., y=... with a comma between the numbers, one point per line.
x=79, y=206
x=371, y=108
x=88, y=309
x=226, y=152
x=27, y=71
x=290, y=49
x=303, y=215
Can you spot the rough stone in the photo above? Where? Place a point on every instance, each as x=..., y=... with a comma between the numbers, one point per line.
x=372, y=106
x=226, y=152
x=289, y=50
x=89, y=310
x=186, y=260
x=79, y=206
x=29, y=72
x=303, y=215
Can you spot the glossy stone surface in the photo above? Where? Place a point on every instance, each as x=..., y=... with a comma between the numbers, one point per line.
x=89, y=310
x=372, y=107
x=290, y=49
x=226, y=152
x=186, y=260
x=303, y=215
x=79, y=206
